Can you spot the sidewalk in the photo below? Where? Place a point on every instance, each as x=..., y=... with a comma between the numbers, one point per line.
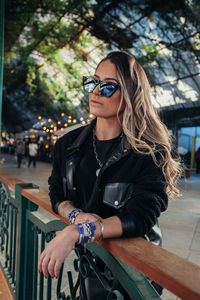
x=180, y=224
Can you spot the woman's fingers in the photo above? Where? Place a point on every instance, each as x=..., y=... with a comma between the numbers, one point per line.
x=57, y=267
x=98, y=218
x=57, y=250
x=50, y=268
x=86, y=217
x=41, y=260
x=45, y=265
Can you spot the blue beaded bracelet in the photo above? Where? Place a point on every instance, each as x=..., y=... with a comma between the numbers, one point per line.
x=73, y=214
x=87, y=232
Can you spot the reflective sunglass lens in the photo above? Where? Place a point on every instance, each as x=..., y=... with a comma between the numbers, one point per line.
x=89, y=87
x=107, y=91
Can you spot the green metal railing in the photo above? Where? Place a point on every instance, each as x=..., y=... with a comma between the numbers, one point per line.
x=2, y=13
x=24, y=233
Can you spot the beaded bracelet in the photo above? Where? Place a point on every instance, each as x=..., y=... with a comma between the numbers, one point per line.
x=87, y=232
x=73, y=214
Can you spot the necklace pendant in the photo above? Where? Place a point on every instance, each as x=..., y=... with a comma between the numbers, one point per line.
x=97, y=172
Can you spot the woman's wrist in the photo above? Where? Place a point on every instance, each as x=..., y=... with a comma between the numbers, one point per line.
x=73, y=230
x=65, y=207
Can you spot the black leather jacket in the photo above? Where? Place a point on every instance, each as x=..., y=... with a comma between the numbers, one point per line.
x=129, y=185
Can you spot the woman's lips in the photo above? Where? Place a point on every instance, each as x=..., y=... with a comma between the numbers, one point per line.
x=96, y=102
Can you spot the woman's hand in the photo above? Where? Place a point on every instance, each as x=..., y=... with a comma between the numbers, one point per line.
x=87, y=217
x=57, y=250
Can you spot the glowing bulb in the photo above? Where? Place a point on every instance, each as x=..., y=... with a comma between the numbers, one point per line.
x=49, y=120
x=62, y=114
x=39, y=117
x=59, y=122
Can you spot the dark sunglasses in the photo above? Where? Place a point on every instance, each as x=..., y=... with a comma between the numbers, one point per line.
x=106, y=88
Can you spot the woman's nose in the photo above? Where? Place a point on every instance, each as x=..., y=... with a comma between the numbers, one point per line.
x=96, y=90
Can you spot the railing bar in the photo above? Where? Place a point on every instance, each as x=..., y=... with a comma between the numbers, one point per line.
x=35, y=264
x=41, y=274
x=7, y=234
x=11, y=238
x=41, y=286
x=14, y=248
x=49, y=281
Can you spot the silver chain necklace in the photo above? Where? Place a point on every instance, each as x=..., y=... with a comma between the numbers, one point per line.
x=96, y=154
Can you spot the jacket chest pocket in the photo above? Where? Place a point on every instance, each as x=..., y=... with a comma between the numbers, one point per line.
x=117, y=194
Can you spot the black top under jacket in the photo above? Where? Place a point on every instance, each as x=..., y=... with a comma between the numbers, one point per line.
x=129, y=184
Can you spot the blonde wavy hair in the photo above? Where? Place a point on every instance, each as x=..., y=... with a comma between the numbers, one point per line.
x=141, y=123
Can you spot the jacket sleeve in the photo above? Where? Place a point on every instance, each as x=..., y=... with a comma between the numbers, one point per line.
x=55, y=181
x=148, y=201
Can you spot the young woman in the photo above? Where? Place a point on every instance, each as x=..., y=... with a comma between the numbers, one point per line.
x=112, y=177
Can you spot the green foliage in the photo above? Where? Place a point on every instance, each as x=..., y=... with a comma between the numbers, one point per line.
x=52, y=44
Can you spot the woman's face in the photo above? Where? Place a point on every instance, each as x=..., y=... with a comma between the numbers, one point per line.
x=101, y=106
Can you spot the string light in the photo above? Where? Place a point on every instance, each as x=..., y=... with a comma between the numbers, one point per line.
x=44, y=128
x=81, y=119
x=42, y=123
x=69, y=117
x=55, y=128
x=61, y=129
x=69, y=121
x=65, y=124
x=74, y=121
x=62, y=114
x=49, y=120
x=51, y=130
x=52, y=126
x=58, y=122
x=39, y=117
x=47, y=130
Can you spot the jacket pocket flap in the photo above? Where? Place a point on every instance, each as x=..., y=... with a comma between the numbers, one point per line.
x=117, y=194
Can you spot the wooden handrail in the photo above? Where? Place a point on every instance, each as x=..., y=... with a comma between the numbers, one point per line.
x=174, y=273
x=9, y=179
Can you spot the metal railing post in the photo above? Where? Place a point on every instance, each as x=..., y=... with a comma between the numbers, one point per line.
x=25, y=244
x=2, y=14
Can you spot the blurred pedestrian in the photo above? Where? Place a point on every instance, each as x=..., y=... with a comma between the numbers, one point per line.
x=20, y=150
x=32, y=150
x=197, y=158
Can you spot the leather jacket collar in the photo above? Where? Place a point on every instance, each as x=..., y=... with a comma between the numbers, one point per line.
x=125, y=145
